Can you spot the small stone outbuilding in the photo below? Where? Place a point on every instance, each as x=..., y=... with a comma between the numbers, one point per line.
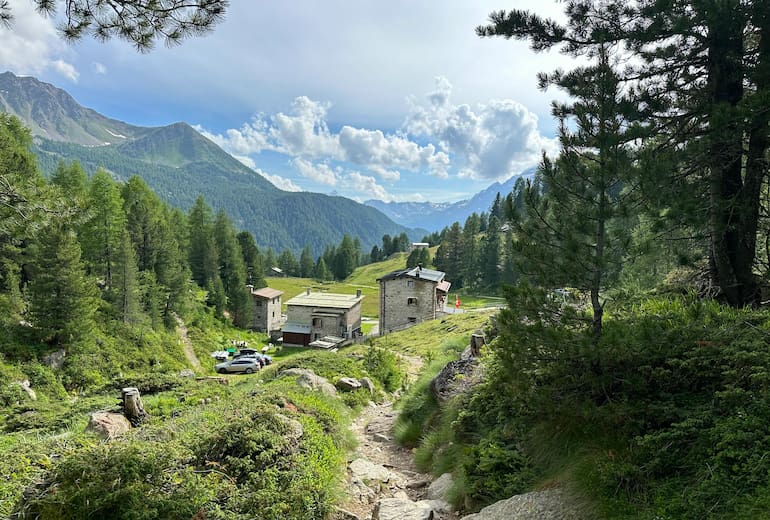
x=267, y=310
x=410, y=296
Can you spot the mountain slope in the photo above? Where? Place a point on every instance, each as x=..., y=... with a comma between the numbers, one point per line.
x=436, y=216
x=180, y=164
x=52, y=113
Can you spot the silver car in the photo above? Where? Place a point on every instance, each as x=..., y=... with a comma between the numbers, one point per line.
x=247, y=365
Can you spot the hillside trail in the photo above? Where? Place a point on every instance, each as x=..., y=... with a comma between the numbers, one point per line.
x=189, y=353
x=373, y=430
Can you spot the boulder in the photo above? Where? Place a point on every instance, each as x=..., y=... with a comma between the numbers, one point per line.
x=308, y=379
x=439, y=488
x=187, y=374
x=348, y=384
x=55, y=360
x=551, y=503
x=455, y=378
x=294, y=431
x=367, y=471
x=27, y=387
x=367, y=384
x=402, y=509
x=108, y=424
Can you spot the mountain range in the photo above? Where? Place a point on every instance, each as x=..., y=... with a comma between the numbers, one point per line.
x=435, y=216
x=179, y=164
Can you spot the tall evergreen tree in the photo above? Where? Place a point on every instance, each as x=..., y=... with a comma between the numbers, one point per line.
x=62, y=299
x=101, y=233
x=570, y=231
x=345, y=259
x=125, y=288
x=306, y=264
x=255, y=264
x=204, y=263
x=232, y=271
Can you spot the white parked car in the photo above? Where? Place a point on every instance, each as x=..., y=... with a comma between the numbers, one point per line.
x=246, y=365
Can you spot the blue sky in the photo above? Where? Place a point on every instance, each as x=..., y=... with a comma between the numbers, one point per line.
x=392, y=100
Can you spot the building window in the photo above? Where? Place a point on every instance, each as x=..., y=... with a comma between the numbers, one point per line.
x=258, y=303
x=318, y=322
x=412, y=320
x=410, y=283
x=411, y=301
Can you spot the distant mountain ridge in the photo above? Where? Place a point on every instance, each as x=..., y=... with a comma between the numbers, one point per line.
x=179, y=164
x=435, y=216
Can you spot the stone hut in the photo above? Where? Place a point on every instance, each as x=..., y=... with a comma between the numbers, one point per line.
x=410, y=296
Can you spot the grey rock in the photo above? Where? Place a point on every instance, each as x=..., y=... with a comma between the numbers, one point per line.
x=455, y=378
x=367, y=384
x=367, y=471
x=308, y=379
x=348, y=384
x=551, y=504
x=27, y=387
x=401, y=509
x=378, y=437
x=108, y=424
x=187, y=374
x=439, y=488
x=55, y=360
x=294, y=430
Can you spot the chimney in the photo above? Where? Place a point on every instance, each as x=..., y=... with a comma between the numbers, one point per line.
x=308, y=291
x=358, y=293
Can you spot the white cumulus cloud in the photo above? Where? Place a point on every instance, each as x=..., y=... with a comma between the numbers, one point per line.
x=99, y=68
x=30, y=44
x=495, y=140
x=321, y=173
x=282, y=183
x=303, y=133
x=367, y=186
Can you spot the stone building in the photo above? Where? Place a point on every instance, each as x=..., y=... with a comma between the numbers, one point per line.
x=267, y=310
x=410, y=296
x=314, y=316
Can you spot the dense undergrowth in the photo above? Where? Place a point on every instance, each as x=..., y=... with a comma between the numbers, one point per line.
x=211, y=450
x=663, y=419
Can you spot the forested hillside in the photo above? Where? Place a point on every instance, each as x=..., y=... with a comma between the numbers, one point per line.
x=179, y=164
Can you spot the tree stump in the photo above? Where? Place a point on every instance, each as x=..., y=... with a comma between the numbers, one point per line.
x=133, y=408
x=477, y=341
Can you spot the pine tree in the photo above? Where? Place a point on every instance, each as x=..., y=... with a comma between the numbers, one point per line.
x=202, y=252
x=345, y=259
x=255, y=263
x=62, y=298
x=321, y=271
x=101, y=233
x=125, y=289
x=306, y=264
x=232, y=271
x=490, y=254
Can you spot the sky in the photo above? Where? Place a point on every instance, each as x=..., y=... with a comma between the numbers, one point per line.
x=389, y=100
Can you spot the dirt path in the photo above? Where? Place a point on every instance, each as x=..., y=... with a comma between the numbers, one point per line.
x=189, y=353
x=373, y=429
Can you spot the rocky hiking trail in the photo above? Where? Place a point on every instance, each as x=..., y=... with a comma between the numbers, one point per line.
x=383, y=482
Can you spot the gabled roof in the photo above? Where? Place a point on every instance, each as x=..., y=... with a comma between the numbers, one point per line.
x=415, y=272
x=267, y=293
x=326, y=300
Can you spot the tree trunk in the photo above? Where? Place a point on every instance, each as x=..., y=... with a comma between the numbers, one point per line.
x=732, y=201
x=133, y=408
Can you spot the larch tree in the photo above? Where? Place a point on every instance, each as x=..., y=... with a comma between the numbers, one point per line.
x=62, y=299
x=100, y=234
